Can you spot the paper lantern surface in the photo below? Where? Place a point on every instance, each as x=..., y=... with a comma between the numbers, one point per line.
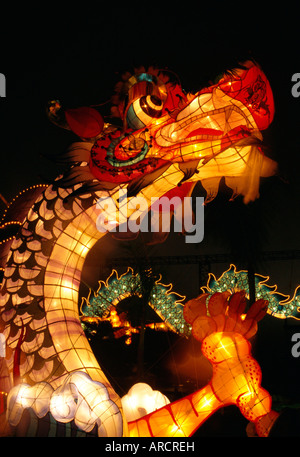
x=169, y=141
x=222, y=328
x=141, y=400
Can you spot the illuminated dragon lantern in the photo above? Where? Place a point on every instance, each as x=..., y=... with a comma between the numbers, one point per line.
x=168, y=141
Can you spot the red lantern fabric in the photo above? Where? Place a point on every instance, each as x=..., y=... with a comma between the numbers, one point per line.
x=252, y=88
x=85, y=122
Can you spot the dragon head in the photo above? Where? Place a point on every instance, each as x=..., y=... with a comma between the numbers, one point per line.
x=179, y=136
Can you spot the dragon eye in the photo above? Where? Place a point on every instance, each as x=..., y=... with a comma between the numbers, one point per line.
x=142, y=111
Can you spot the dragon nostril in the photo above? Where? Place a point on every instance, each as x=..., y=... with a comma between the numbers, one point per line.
x=137, y=143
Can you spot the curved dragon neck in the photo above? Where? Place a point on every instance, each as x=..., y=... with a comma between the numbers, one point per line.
x=47, y=258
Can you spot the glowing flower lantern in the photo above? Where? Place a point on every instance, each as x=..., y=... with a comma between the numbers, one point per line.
x=141, y=400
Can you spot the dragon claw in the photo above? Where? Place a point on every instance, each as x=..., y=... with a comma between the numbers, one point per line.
x=79, y=398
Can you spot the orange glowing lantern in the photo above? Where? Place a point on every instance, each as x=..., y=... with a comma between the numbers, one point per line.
x=236, y=379
x=169, y=141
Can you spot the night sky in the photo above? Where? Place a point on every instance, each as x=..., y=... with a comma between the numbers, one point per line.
x=78, y=57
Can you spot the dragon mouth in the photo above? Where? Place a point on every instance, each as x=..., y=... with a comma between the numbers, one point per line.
x=202, y=121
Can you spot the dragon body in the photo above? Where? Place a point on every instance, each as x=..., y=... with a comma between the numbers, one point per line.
x=168, y=142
